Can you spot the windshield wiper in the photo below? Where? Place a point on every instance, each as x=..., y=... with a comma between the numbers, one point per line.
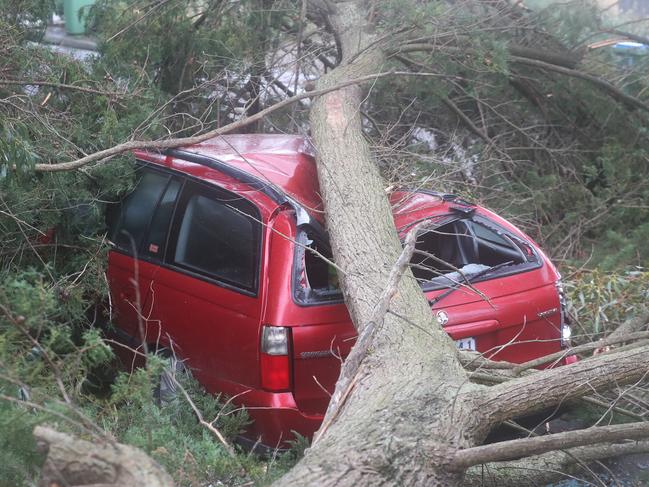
x=468, y=280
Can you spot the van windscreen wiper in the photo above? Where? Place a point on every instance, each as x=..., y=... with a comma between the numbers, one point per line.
x=468, y=280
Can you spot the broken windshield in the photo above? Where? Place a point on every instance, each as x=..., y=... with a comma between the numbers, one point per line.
x=448, y=254
x=466, y=248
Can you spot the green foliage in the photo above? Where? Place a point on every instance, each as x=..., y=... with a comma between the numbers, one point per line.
x=27, y=16
x=192, y=50
x=19, y=460
x=53, y=249
x=600, y=301
x=171, y=433
x=562, y=157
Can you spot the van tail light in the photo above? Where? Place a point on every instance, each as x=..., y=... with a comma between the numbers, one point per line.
x=275, y=358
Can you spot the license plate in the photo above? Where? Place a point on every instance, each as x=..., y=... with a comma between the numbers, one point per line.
x=466, y=343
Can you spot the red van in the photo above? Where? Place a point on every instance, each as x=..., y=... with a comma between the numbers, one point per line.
x=211, y=259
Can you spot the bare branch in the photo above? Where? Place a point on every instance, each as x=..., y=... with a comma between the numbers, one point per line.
x=524, y=447
x=231, y=127
x=548, y=388
x=548, y=467
x=587, y=347
x=62, y=86
x=604, y=85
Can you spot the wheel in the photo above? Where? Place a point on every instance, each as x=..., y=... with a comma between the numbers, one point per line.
x=166, y=391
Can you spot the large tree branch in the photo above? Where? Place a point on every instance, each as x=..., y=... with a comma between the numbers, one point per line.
x=184, y=141
x=525, y=447
x=548, y=467
x=587, y=347
x=567, y=59
x=631, y=325
x=231, y=127
x=546, y=389
x=71, y=461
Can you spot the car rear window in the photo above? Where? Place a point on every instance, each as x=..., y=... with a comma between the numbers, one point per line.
x=445, y=254
x=315, y=279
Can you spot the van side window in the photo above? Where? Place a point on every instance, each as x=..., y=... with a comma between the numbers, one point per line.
x=137, y=209
x=218, y=237
x=157, y=239
x=315, y=280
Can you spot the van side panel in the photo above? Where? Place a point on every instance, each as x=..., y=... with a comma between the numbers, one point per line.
x=214, y=329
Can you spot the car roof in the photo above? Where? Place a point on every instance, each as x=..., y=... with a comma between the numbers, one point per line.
x=287, y=162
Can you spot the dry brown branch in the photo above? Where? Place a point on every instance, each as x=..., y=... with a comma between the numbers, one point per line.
x=475, y=361
x=548, y=467
x=466, y=120
x=613, y=339
x=231, y=127
x=630, y=325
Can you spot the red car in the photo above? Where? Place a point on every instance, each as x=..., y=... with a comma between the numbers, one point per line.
x=211, y=260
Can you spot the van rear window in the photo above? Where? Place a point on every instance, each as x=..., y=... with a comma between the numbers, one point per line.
x=462, y=248
x=445, y=254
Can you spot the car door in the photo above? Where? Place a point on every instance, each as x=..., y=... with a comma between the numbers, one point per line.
x=137, y=231
x=205, y=300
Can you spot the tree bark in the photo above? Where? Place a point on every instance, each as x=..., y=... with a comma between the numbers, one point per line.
x=411, y=376
x=401, y=411
x=74, y=462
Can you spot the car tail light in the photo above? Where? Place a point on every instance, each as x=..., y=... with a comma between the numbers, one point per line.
x=566, y=331
x=275, y=358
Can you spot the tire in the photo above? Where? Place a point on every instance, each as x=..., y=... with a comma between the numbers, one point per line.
x=166, y=391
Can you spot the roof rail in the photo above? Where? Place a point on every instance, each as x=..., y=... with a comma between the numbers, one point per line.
x=265, y=187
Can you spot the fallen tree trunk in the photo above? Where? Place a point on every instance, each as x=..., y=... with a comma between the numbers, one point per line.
x=71, y=461
x=408, y=414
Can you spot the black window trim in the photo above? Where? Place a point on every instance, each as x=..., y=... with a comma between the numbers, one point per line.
x=165, y=261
